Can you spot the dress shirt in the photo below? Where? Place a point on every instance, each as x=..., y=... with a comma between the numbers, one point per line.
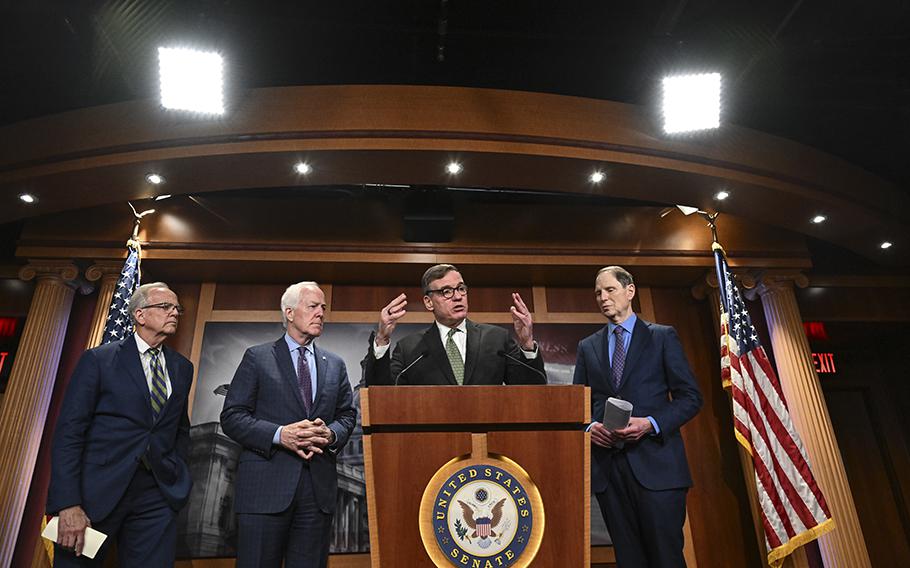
x=146, y=359
x=460, y=339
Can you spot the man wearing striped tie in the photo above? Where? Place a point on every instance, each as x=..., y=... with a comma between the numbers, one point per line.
x=639, y=473
x=122, y=440
x=454, y=350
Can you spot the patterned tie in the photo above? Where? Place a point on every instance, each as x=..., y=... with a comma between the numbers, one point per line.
x=304, y=381
x=455, y=357
x=159, y=385
x=619, y=356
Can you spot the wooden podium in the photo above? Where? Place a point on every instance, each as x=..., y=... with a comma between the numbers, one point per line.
x=411, y=432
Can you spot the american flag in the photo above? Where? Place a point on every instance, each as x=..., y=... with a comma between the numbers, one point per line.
x=793, y=509
x=118, y=324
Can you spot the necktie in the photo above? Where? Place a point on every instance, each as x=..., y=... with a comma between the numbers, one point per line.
x=304, y=381
x=619, y=356
x=455, y=357
x=159, y=386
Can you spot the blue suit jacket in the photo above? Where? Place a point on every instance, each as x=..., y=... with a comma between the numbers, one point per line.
x=106, y=426
x=659, y=383
x=263, y=396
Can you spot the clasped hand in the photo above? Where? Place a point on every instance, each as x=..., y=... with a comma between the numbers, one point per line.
x=637, y=428
x=306, y=438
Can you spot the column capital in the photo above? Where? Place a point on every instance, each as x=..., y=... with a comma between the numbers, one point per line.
x=103, y=269
x=62, y=270
x=772, y=281
x=708, y=283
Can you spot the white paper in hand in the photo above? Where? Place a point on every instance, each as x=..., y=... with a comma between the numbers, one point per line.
x=93, y=539
x=617, y=413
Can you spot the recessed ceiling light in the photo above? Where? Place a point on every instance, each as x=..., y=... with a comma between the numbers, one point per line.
x=597, y=177
x=886, y=245
x=721, y=195
x=191, y=80
x=28, y=198
x=302, y=168
x=155, y=179
x=454, y=168
x=162, y=197
x=819, y=219
x=691, y=102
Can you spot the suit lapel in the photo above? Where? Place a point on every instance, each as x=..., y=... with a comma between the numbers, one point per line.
x=170, y=361
x=321, y=376
x=641, y=339
x=437, y=353
x=130, y=364
x=286, y=367
x=603, y=355
x=472, y=351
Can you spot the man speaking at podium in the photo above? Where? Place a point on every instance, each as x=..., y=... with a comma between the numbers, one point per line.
x=453, y=350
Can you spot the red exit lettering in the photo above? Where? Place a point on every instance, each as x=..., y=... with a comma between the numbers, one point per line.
x=824, y=363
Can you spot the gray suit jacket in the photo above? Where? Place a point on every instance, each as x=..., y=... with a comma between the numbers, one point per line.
x=482, y=366
x=263, y=396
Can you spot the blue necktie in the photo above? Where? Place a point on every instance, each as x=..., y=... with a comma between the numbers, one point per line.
x=619, y=356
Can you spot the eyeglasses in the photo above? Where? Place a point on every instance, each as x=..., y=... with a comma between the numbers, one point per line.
x=448, y=292
x=167, y=307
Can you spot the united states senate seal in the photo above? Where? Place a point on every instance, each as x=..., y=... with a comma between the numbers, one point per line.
x=481, y=513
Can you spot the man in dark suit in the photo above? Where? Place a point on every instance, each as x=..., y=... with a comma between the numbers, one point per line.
x=122, y=439
x=290, y=406
x=639, y=475
x=453, y=350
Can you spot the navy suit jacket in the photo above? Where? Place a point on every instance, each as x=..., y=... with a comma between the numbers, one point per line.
x=482, y=366
x=106, y=426
x=659, y=383
x=264, y=395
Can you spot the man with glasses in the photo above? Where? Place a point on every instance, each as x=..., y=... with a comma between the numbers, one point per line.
x=453, y=350
x=122, y=440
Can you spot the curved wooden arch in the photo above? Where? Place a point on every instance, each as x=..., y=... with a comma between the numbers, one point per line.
x=406, y=134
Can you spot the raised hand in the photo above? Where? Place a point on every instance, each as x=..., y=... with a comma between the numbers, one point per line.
x=388, y=319
x=524, y=325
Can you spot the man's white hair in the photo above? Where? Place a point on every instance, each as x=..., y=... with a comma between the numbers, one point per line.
x=291, y=298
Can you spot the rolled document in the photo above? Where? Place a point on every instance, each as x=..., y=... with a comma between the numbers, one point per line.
x=617, y=413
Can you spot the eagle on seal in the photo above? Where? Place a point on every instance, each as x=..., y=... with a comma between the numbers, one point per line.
x=482, y=516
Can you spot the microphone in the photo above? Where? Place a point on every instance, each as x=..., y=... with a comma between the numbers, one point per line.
x=411, y=364
x=503, y=353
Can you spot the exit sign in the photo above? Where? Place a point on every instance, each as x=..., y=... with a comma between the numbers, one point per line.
x=824, y=363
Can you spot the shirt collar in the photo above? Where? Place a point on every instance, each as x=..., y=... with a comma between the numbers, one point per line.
x=293, y=345
x=143, y=346
x=444, y=330
x=627, y=325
